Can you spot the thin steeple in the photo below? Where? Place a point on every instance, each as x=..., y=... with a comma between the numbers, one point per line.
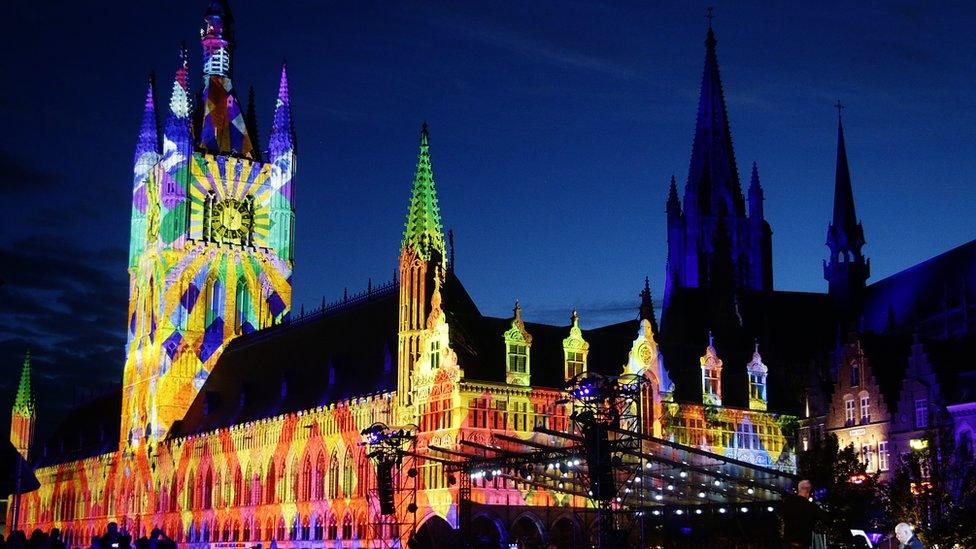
x=281, y=140
x=148, y=143
x=647, y=305
x=177, y=133
x=24, y=404
x=251, y=118
x=756, y=195
x=712, y=151
x=845, y=218
x=847, y=270
x=423, y=232
x=674, y=203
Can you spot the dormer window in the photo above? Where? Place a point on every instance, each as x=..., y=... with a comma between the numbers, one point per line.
x=757, y=381
x=518, y=343
x=574, y=364
x=711, y=367
x=435, y=354
x=518, y=358
x=575, y=349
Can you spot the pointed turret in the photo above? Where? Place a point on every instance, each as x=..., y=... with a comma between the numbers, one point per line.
x=712, y=148
x=647, y=305
x=177, y=133
x=423, y=232
x=756, y=196
x=22, y=416
x=25, y=403
x=148, y=148
x=281, y=140
x=674, y=203
x=847, y=270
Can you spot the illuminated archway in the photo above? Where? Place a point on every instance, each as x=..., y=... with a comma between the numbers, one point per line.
x=435, y=533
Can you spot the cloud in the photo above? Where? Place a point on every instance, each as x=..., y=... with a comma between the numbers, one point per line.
x=68, y=305
x=16, y=177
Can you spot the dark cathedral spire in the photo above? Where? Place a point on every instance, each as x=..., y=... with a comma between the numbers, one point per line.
x=847, y=270
x=712, y=236
x=647, y=305
x=712, y=155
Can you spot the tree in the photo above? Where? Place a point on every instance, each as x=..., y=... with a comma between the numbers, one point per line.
x=934, y=488
x=841, y=486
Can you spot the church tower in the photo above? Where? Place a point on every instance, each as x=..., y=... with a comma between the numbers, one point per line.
x=847, y=270
x=422, y=257
x=710, y=236
x=210, y=254
x=22, y=416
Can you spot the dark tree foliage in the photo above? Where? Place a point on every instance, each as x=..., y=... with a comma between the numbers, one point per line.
x=842, y=488
x=934, y=489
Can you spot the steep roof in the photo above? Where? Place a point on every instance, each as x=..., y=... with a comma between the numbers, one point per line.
x=91, y=429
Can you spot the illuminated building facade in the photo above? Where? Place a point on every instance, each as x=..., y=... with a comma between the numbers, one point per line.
x=242, y=423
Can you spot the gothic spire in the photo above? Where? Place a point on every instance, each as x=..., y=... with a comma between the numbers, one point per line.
x=176, y=131
x=647, y=305
x=712, y=148
x=847, y=270
x=845, y=228
x=674, y=203
x=423, y=232
x=24, y=404
x=148, y=144
x=281, y=140
x=755, y=195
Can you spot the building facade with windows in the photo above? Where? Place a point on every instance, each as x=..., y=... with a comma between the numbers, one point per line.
x=241, y=422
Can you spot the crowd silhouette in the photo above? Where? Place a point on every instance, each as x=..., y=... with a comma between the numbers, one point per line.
x=113, y=538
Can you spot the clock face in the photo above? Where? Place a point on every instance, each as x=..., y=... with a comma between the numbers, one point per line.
x=232, y=220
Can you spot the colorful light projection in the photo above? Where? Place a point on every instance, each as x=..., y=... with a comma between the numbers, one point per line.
x=211, y=258
x=211, y=245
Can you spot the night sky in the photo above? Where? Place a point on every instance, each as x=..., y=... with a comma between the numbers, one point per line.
x=555, y=128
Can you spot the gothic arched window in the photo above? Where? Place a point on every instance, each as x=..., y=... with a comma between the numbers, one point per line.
x=347, y=475
x=319, y=476
x=333, y=491
x=242, y=307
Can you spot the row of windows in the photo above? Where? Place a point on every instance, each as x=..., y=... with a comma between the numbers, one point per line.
x=869, y=454
x=723, y=434
x=482, y=416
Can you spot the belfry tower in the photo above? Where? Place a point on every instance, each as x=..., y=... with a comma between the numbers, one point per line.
x=847, y=270
x=422, y=257
x=22, y=417
x=210, y=253
x=712, y=241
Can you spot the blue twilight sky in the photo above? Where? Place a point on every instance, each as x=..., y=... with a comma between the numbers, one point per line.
x=555, y=127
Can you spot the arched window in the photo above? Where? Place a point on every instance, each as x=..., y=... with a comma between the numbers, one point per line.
x=215, y=302
x=347, y=527
x=190, y=490
x=208, y=490
x=319, y=476
x=271, y=482
x=305, y=489
x=362, y=478
x=238, y=487
x=347, y=475
x=242, y=309
x=333, y=529
x=255, y=488
x=333, y=491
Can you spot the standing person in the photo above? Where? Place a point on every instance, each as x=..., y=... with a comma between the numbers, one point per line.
x=798, y=514
x=907, y=537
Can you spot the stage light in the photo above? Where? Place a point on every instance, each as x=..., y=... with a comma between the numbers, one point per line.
x=770, y=509
x=721, y=510
x=744, y=509
x=698, y=511
x=679, y=512
x=701, y=494
x=750, y=491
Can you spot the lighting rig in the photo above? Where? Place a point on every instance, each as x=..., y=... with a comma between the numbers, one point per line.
x=608, y=462
x=388, y=447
